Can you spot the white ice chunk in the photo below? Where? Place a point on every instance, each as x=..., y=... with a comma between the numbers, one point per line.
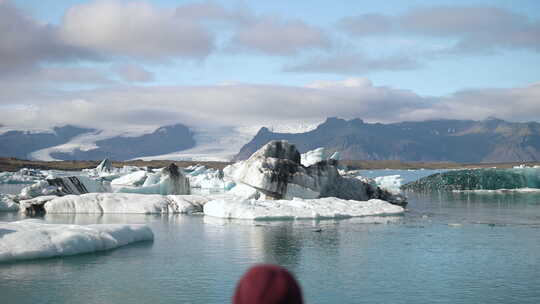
x=7, y=204
x=207, y=178
x=33, y=239
x=167, y=181
x=136, y=178
x=125, y=203
x=23, y=176
x=314, y=156
x=391, y=183
x=329, y=207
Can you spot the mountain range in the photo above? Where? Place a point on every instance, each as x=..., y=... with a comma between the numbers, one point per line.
x=464, y=141
x=22, y=144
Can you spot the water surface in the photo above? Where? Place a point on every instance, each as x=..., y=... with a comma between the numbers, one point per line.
x=448, y=248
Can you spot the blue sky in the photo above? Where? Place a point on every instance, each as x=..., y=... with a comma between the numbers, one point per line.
x=441, y=52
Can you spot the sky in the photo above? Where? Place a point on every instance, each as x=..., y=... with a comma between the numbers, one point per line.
x=143, y=64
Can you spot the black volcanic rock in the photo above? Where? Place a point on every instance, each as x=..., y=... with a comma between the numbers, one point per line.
x=21, y=143
x=163, y=140
x=490, y=140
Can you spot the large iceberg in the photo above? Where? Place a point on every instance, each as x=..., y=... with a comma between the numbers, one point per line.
x=92, y=203
x=32, y=239
x=479, y=179
x=322, y=208
x=276, y=172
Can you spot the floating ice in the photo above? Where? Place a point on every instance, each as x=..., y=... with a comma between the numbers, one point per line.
x=118, y=203
x=479, y=179
x=275, y=171
x=314, y=156
x=136, y=178
x=64, y=186
x=391, y=183
x=23, y=176
x=106, y=171
x=169, y=180
x=207, y=178
x=105, y=166
x=7, y=204
x=323, y=208
x=33, y=239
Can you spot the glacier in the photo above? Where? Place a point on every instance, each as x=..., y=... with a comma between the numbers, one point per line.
x=34, y=239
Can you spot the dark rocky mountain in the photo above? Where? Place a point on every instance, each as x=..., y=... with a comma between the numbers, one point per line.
x=163, y=140
x=466, y=141
x=21, y=143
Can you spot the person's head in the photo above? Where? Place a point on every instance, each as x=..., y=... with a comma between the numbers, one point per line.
x=267, y=284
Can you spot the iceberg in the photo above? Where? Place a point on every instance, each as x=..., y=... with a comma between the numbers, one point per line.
x=33, y=239
x=169, y=181
x=136, y=178
x=317, y=155
x=276, y=172
x=23, y=176
x=478, y=179
x=391, y=183
x=63, y=186
x=106, y=171
x=7, y=204
x=312, y=157
x=105, y=166
x=207, y=178
x=99, y=203
x=322, y=208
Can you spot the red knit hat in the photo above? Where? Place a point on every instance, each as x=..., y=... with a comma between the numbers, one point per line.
x=267, y=284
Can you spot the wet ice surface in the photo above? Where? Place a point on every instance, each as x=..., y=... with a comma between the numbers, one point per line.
x=448, y=248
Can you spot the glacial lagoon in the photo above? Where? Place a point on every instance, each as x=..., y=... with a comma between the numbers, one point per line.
x=449, y=247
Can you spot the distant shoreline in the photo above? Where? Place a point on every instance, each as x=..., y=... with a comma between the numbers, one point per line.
x=14, y=164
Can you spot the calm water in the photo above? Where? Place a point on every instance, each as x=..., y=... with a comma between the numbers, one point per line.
x=449, y=248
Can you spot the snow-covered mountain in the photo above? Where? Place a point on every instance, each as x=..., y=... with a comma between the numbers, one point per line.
x=466, y=141
x=175, y=142
x=73, y=143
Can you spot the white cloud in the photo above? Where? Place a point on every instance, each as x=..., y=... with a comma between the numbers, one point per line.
x=476, y=28
x=353, y=63
x=275, y=36
x=136, y=29
x=133, y=73
x=24, y=42
x=353, y=82
x=124, y=108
